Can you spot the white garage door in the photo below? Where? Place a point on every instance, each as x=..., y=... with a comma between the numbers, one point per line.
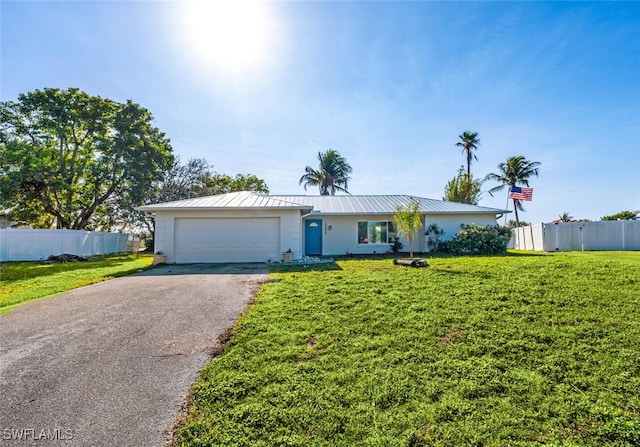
x=227, y=240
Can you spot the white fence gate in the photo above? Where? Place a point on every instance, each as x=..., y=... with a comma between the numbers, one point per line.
x=17, y=244
x=567, y=236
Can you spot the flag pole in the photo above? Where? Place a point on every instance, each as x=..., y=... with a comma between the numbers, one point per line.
x=507, y=206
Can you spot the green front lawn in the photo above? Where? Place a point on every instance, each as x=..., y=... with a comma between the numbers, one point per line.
x=26, y=281
x=524, y=349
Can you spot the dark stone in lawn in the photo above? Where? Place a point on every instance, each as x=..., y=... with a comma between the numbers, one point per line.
x=64, y=258
x=411, y=262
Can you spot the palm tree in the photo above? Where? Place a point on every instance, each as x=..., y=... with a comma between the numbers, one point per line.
x=331, y=176
x=565, y=217
x=468, y=142
x=409, y=221
x=516, y=170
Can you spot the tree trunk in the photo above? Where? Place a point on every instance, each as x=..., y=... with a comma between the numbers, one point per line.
x=515, y=208
x=410, y=247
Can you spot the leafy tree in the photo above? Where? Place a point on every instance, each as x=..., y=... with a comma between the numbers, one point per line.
x=222, y=183
x=331, y=176
x=178, y=181
x=65, y=154
x=622, y=215
x=195, y=178
x=517, y=170
x=463, y=189
x=408, y=222
x=513, y=224
x=468, y=142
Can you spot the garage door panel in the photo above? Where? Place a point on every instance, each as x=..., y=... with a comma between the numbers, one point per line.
x=227, y=239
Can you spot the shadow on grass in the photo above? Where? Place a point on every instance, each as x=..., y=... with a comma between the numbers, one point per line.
x=247, y=268
x=510, y=253
x=295, y=268
x=256, y=268
x=523, y=254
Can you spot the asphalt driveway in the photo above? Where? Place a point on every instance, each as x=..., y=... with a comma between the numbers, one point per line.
x=110, y=364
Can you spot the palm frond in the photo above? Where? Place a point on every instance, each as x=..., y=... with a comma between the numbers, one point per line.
x=332, y=174
x=496, y=189
x=516, y=171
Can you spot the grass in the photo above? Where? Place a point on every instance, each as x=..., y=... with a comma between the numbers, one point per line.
x=518, y=350
x=21, y=282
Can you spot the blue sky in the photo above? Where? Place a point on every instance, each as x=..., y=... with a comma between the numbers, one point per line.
x=390, y=85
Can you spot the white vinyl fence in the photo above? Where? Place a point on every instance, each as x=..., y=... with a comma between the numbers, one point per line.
x=567, y=236
x=17, y=244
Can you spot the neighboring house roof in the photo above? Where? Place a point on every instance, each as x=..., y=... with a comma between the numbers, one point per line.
x=347, y=204
x=557, y=221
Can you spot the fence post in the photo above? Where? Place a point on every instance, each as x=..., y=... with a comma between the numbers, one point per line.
x=533, y=242
x=3, y=245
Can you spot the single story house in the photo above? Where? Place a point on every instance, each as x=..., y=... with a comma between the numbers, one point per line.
x=251, y=227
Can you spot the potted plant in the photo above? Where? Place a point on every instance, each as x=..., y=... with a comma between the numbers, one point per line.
x=159, y=258
x=287, y=256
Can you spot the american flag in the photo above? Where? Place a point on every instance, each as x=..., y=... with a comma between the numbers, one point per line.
x=523, y=194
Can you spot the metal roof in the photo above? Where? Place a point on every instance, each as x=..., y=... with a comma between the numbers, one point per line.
x=235, y=200
x=347, y=204
x=383, y=204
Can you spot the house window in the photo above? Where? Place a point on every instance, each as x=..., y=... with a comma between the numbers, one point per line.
x=370, y=232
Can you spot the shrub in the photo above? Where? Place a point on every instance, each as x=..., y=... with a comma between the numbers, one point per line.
x=477, y=239
x=434, y=237
x=396, y=245
x=623, y=215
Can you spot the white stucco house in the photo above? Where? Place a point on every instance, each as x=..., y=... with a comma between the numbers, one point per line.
x=252, y=227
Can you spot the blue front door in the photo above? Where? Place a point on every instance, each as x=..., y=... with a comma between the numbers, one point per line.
x=313, y=237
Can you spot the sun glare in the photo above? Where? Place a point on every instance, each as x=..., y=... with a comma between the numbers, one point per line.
x=231, y=36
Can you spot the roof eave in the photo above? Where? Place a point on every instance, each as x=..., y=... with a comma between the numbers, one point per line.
x=489, y=211
x=386, y=213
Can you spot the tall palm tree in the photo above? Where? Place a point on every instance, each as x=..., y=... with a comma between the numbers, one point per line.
x=516, y=170
x=468, y=142
x=331, y=176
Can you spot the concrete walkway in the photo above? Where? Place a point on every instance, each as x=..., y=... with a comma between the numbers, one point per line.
x=110, y=364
